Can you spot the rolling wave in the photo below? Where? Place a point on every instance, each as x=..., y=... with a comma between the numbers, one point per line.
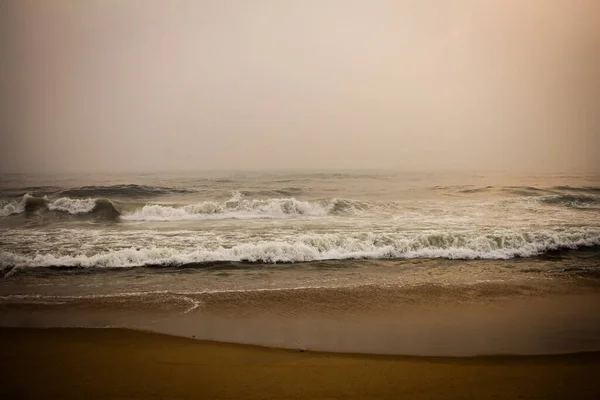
x=582, y=189
x=499, y=245
x=572, y=200
x=239, y=207
x=525, y=191
x=286, y=192
x=123, y=191
x=31, y=204
x=235, y=207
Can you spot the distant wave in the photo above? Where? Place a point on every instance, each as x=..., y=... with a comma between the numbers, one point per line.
x=572, y=200
x=584, y=189
x=287, y=191
x=476, y=190
x=528, y=191
x=122, y=191
x=500, y=245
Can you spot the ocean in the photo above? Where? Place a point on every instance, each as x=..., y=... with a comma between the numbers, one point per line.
x=359, y=261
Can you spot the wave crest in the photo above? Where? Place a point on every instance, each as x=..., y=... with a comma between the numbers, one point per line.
x=235, y=207
x=30, y=204
x=72, y=206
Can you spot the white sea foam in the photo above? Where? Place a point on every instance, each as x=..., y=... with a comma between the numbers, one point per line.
x=63, y=204
x=72, y=206
x=312, y=247
x=12, y=207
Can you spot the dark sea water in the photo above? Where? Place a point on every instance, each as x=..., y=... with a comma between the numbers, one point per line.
x=349, y=261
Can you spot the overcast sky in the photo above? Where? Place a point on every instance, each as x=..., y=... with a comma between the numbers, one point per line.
x=151, y=85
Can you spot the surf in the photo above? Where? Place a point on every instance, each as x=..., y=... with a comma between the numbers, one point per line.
x=492, y=245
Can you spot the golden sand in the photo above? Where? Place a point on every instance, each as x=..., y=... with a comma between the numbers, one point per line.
x=124, y=364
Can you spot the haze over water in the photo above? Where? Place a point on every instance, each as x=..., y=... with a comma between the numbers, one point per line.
x=227, y=85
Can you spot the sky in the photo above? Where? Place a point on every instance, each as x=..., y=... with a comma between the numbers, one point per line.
x=153, y=85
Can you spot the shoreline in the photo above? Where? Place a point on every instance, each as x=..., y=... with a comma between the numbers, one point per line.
x=342, y=354
x=430, y=321
x=124, y=363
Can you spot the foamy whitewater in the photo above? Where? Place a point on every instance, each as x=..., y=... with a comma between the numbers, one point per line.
x=174, y=239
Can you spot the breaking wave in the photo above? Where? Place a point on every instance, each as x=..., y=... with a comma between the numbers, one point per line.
x=235, y=207
x=240, y=207
x=30, y=204
x=500, y=245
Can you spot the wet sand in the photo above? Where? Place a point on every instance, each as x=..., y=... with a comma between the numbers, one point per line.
x=117, y=363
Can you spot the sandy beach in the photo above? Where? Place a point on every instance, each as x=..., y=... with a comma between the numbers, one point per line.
x=126, y=364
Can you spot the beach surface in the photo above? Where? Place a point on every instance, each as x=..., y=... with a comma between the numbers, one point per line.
x=126, y=364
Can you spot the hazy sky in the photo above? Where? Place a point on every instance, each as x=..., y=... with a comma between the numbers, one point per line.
x=405, y=84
